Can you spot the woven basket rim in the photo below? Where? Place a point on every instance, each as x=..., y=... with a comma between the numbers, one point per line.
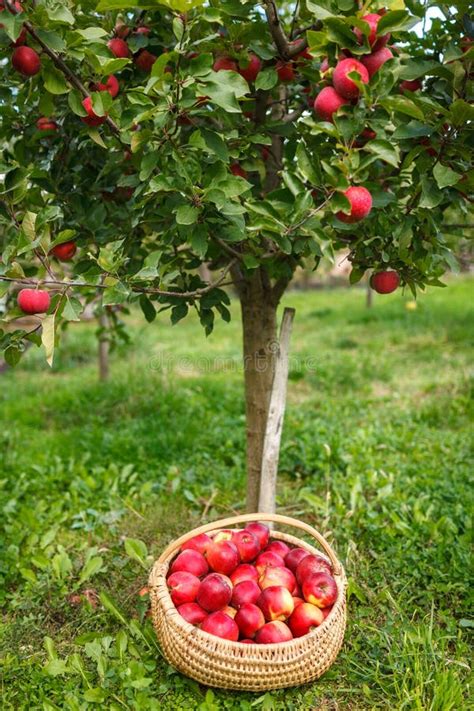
x=157, y=580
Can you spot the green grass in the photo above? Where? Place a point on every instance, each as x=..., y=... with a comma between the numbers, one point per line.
x=375, y=453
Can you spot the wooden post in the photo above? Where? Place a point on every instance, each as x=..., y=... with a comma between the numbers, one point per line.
x=271, y=445
x=368, y=296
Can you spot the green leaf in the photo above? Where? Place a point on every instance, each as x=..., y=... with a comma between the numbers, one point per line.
x=224, y=89
x=137, y=550
x=319, y=12
x=431, y=196
x=72, y=309
x=28, y=225
x=55, y=667
x=48, y=337
x=444, y=176
x=109, y=605
x=266, y=79
x=61, y=14
x=187, y=215
x=91, y=568
x=92, y=33
x=395, y=21
x=216, y=144
x=54, y=81
x=403, y=105
x=384, y=150
x=96, y=695
x=413, y=129
x=147, y=307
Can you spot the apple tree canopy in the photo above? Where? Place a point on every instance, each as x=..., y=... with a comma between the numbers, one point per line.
x=194, y=162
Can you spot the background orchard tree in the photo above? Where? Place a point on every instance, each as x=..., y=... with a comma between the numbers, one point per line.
x=158, y=136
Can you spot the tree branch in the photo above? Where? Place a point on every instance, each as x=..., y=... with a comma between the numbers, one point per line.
x=61, y=65
x=141, y=290
x=285, y=49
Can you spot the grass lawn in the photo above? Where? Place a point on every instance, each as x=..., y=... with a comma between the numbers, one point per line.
x=375, y=453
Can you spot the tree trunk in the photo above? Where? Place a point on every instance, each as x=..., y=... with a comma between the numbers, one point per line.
x=259, y=305
x=103, y=347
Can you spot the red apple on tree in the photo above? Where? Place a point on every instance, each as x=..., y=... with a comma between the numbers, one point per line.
x=372, y=19
x=285, y=71
x=373, y=62
x=327, y=102
x=215, y=592
x=192, y=562
x=249, y=619
x=33, y=301
x=92, y=119
x=385, y=282
x=225, y=64
x=183, y=587
x=144, y=60
x=64, y=251
x=252, y=68
x=221, y=625
x=236, y=169
x=276, y=603
x=273, y=633
x=111, y=85
x=46, y=124
x=119, y=48
x=320, y=589
x=343, y=84
x=413, y=85
x=304, y=618
x=361, y=204
x=26, y=61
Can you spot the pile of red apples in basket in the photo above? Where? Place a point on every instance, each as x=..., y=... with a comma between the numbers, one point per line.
x=243, y=586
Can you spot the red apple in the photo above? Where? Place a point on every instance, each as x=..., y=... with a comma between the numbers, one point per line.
x=26, y=61
x=192, y=613
x=33, y=301
x=215, y=592
x=200, y=542
x=260, y=530
x=245, y=592
x=183, y=587
x=297, y=601
x=294, y=557
x=244, y=572
x=46, y=124
x=119, y=48
x=277, y=575
x=361, y=204
x=190, y=561
x=278, y=547
x=413, y=85
x=111, y=85
x=249, y=619
x=366, y=135
x=385, y=282
x=373, y=62
x=268, y=560
x=91, y=119
x=320, y=589
x=343, y=84
x=65, y=251
x=326, y=611
x=223, y=557
x=225, y=64
x=237, y=169
x=142, y=30
x=273, y=633
x=311, y=564
x=224, y=535
x=305, y=618
x=285, y=71
x=247, y=545
x=228, y=610
x=221, y=625
x=247, y=641
x=276, y=603
x=144, y=60
x=252, y=68
x=372, y=19
x=327, y=102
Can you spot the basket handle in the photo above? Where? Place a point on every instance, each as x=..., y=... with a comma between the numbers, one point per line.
x=245, y=518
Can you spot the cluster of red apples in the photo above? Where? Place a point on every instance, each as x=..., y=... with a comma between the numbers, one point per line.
x=244, y=587
x=343, y=91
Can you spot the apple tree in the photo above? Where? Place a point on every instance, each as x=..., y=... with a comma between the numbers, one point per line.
x=142, y=140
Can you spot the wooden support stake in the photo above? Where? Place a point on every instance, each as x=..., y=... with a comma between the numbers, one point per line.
x=271, y=446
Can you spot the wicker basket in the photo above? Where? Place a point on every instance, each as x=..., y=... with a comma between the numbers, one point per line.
x=254, y=667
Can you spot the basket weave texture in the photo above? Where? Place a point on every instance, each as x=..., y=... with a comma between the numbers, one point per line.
x=224, y=664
